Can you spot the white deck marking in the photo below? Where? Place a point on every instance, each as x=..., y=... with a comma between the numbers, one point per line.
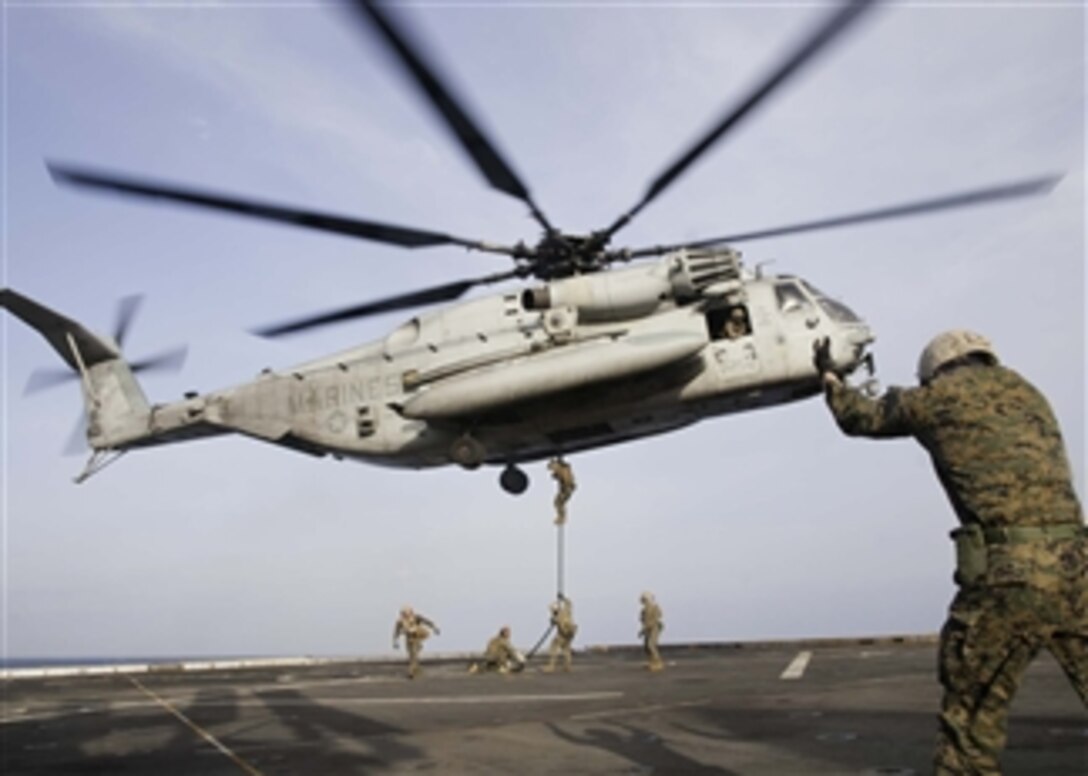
x=197, y=729
x=24, y=714
x=796, y=668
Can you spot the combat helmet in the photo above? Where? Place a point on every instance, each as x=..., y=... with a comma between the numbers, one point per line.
x=949, y=346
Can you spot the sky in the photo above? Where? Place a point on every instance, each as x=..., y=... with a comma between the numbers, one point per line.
x=765, y=525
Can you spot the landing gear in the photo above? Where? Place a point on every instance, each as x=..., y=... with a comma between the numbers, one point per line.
x=513, y=480
x=467, y=452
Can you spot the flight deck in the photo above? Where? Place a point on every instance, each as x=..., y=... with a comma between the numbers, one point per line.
x=822, y=707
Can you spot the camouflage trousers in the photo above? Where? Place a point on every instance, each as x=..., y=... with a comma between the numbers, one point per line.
x=561, y=499
x=414, y=647
x=650, y=638
x=991, y=636
x=560, y=648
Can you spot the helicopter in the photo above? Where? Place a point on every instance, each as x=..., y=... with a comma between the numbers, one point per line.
x=596, y=353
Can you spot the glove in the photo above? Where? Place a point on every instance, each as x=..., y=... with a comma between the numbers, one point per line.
x=821, y=356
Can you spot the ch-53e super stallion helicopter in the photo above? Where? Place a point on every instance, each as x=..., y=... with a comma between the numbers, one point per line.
x=591, y=355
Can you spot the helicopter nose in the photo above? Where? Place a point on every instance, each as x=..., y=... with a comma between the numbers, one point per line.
x=857, y=337
x=853, y=340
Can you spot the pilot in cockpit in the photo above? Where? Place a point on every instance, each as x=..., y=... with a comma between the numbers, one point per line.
x=736, y=323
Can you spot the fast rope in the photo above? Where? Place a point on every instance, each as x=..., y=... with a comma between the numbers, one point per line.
x=564, y=477
x=559, y=595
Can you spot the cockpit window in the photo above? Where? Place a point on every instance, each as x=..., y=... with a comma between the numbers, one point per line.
x=791, y=298
x=835, y=310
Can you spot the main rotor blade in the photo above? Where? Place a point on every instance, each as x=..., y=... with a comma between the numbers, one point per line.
x=826, y=33
x=467, y=131
x=404, y=236
x=1025, y=188
x=443, y=293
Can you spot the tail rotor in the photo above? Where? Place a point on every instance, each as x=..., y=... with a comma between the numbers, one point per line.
x=85, y=353
x=171, y=360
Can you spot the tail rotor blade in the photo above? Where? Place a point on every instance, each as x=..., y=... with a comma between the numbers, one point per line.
x=168, y=361
x=77, y=439
x=44, y=378
x=126, y=311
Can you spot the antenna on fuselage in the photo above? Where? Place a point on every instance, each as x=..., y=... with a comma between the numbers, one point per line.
x=761, y=265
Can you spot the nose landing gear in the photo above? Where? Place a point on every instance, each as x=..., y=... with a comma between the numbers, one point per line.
x=513, y=480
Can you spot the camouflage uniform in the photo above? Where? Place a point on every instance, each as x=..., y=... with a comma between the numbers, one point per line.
x=652, y=625
x=564, y=478
x=416, y=629
x=1021, y=548
x=565, y=630
x=499, y=655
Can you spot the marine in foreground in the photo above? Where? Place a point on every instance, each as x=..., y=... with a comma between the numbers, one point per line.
x=1021, y=548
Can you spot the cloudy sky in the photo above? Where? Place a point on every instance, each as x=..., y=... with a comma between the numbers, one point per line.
x=765, y=525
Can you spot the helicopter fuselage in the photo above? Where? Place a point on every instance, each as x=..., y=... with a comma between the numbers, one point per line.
x=578, y=363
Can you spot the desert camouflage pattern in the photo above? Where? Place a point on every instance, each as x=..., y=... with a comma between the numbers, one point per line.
x=998, y=452
x=562, y=619
x=652, y=624
x=563, y=475
x=416, y=629
x=500, y=654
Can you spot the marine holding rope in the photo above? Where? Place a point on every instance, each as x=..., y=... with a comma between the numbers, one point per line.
x=562, y=620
